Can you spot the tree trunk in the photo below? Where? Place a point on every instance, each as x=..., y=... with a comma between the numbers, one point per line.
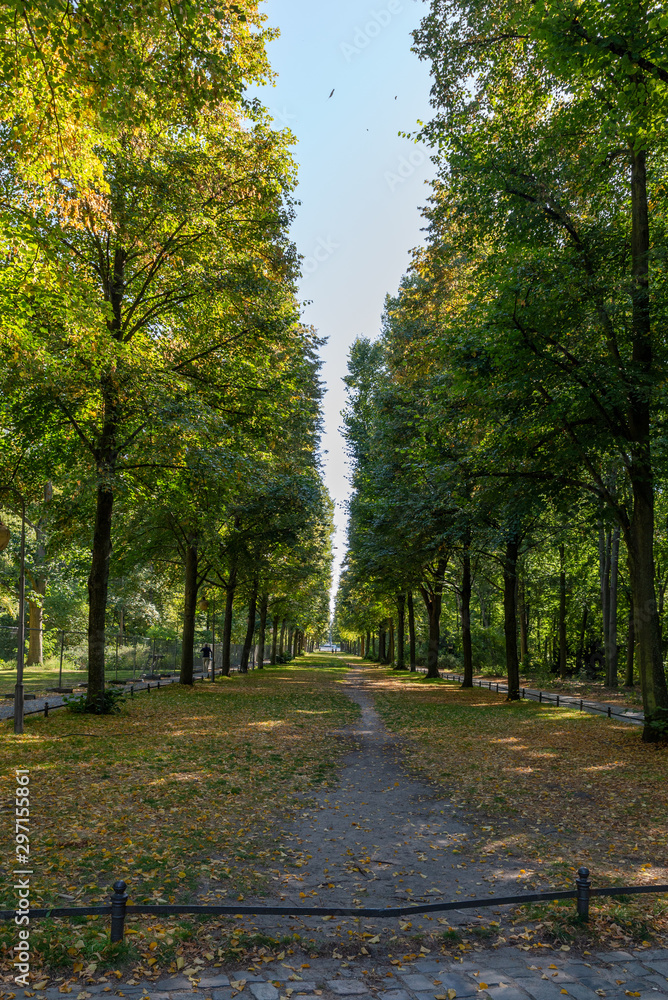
x=510, y=617
x=523, y=620
x=390, y=652
x=411, y=632
x=289, y=643
x=401, y=615
x=281, y=644
x=98, y=584
x=647, y=624
x=562, y=611
x=433, y=599
x=604, y=576
x=467, y=649
x=613, y=653
x=630, y=647
x=381, y=644
x=640, y=541
x=250, y=629
x=226, y=658
x=35, y=624
x=189, y=612
x=274, y=640
x=36, y=618
x=263, y=629
x=434, y=605
x=583, y=630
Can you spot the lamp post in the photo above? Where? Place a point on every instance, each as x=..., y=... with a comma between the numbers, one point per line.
x=18, y=689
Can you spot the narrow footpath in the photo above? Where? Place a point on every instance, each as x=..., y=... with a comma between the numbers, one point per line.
x=383, y=838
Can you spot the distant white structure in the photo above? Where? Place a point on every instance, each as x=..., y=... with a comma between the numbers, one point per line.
x=329, y=647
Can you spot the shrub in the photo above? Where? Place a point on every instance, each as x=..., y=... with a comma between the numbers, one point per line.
x=108, y=703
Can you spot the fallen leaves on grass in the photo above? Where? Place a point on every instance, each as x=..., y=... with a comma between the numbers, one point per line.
x=184, y=796
x=553, y=786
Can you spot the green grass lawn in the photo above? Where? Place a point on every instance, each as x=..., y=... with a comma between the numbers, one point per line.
x=184, y=796
x=40, y=677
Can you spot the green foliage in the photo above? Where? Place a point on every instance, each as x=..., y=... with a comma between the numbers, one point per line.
x=110, y=702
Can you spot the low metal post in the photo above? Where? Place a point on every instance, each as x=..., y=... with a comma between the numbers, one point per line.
x=158, y=685
x=60, y=669
x=497, y=687
x=119, y=900
x=46, y=710
x=540, y=696
x=132, y=690
x=580, y=704
x=583, y=883
x=609, y=712
x=148, y=687
x=557, y=701
x=524, y=693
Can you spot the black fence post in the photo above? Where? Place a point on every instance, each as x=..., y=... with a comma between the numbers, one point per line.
x=583, y=883
x=46, y=710
x=119, y=899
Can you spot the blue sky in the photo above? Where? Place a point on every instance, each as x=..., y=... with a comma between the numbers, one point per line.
x=361, y=186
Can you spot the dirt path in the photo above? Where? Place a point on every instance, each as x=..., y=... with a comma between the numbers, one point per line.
x=383, y=838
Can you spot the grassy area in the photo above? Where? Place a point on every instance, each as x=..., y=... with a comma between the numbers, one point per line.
x=40, y=677
x=551, y=786
x=184, y=796
x=38, y=680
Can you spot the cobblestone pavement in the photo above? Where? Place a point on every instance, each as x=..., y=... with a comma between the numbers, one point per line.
x=503, y=974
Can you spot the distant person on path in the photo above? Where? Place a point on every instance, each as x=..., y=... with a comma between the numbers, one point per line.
x=206, y=657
